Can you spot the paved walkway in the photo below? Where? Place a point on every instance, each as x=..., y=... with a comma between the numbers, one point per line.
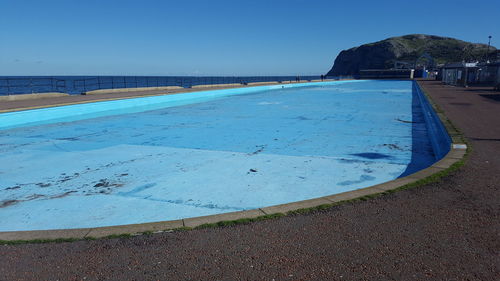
x=448, y=230
x=51, y=101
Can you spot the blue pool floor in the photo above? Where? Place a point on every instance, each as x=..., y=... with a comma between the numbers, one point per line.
x=235, y=153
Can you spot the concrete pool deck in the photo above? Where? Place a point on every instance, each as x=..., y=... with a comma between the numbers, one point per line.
x=97, y=232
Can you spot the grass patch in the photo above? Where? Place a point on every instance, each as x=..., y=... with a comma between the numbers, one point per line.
x=113, y=236
x=240, y=221
x=311, y=209
x=40, y=241
x=179, y=229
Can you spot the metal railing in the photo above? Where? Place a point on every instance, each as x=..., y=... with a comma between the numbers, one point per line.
x=13, y=85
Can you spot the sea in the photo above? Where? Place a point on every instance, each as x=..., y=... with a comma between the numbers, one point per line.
x=14, y=85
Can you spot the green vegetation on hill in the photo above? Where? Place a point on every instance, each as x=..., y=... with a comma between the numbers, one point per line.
x=408, y=48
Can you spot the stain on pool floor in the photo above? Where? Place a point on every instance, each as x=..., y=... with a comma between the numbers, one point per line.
x=235, y=153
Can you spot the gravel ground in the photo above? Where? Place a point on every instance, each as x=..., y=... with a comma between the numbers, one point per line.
x=447, y=230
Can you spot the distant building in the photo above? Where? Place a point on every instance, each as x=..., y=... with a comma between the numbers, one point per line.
x=497, y=82
x=456, y=73
x=471, y=74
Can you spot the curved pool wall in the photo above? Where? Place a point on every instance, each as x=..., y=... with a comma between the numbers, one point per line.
x=439, y=137
x=425, y=125
x=226, y=153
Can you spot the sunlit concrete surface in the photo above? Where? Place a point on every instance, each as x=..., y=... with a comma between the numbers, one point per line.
x=228, y=154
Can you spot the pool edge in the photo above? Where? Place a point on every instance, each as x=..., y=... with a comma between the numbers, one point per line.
x=454, y=156
x=99, y=107
x=164, y=92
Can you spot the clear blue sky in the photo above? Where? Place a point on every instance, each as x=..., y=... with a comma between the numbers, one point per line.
x=212, y=37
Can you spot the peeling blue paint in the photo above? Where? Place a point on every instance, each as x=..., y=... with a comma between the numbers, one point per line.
x=362, y=178
x=372, y=155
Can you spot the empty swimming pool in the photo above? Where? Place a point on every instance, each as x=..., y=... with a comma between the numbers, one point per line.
x=171, y=157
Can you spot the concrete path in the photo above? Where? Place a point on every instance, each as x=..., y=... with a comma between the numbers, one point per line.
x=448, y=230
x=9, y=105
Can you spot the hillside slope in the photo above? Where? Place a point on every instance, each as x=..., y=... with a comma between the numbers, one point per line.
x=408, y=48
